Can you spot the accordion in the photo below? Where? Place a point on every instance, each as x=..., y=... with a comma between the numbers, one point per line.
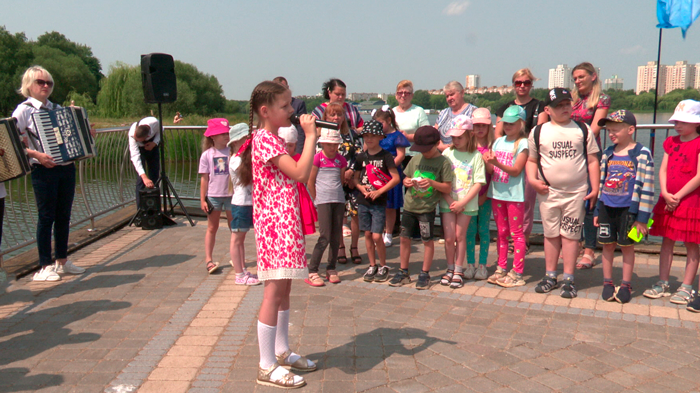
x=14, y=162
x=64, y=134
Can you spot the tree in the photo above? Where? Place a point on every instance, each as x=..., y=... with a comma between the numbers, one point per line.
x=121, y=93
x=15, y=57
x=391, y=100
x=69, y=72
x=421, y=98
x=59, y=41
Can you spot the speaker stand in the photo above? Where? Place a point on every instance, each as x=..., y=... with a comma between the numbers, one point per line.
x=165, y=184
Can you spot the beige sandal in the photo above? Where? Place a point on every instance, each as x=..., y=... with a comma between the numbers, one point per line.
x=332, y=277
x=286, y=382
x=301, y=364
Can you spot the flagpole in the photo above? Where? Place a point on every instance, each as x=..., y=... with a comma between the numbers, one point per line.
x=656, y=93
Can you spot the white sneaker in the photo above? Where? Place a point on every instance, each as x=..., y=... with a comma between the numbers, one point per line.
x=47, y=273
x=69, y=268
x=481, y=273
x=388, y=239
x=469, y=271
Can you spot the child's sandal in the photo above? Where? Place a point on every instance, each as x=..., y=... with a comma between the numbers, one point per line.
x=457, y=281
x=447, y=277
x=212, y=267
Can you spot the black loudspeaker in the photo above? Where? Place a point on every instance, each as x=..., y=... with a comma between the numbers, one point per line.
x=150, y=217
x=158, y=78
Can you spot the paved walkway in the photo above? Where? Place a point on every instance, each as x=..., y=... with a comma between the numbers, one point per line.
x=146, y=317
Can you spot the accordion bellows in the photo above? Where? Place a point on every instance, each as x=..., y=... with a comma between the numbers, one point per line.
x=14, y=162
x=64, y=134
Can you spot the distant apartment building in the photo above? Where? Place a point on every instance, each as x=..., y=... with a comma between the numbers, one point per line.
x=679, y=76
x=472, y=81
x=696, y=83
x=359, y=97
x=646, y=78
x=560, y=77
x=614, y=83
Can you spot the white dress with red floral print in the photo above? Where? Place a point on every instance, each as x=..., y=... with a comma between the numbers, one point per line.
x=276, y=213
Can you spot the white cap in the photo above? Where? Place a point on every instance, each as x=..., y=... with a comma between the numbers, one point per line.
x=687, y=111
x=289, y=134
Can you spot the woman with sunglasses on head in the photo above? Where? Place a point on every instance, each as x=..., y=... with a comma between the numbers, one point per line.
x=523, y=81
x=590, y=106
x=54, y=184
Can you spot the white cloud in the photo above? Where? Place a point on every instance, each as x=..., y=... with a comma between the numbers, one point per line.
x=456, y=8
x=634, y=50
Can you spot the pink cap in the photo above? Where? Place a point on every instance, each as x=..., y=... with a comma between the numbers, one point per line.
x=481, y=116
x=460, y=124
x=216, y=127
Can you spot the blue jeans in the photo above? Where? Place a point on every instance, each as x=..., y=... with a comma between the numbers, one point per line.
x=151, y=164
x=54, y=189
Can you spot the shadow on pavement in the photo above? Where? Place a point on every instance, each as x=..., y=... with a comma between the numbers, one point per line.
x=163, y=260
x=94, y=282
x=372, y=348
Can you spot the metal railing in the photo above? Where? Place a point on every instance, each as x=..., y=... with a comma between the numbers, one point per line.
x=106, y=183
x=103, y=184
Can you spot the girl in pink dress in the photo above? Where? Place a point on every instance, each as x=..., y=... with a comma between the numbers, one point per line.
x=278, y=234
x=677, y=213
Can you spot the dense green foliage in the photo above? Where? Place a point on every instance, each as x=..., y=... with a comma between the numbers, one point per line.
x=121, y=93
x=15, y=56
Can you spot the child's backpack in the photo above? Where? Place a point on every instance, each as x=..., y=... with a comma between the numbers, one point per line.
x=537, y=131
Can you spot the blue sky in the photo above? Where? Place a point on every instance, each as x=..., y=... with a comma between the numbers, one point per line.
x=371, y=45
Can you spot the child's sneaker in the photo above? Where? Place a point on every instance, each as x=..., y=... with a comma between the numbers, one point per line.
x=547, y=284
x=387, y=239
x=660, y=289
x=682, y=296
x=512, y=279
x=447, y=277
x=382, y=274
x=247, y=279
x=457, y=281
x=400, y=278
x=423, y=281
x=469, y=271
x=481, y=272
x=371, y=273
x=608, y=292
x=568, y=289
x=500, y=273
x=624, y=293
x=694, y=305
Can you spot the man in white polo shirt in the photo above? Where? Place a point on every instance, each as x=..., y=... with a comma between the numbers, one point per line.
x=144, y=137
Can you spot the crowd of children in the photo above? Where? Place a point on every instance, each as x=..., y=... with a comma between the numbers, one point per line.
x=257, y=178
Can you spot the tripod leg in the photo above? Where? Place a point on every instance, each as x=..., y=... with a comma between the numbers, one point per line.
x=170, y=188
x=138, y=212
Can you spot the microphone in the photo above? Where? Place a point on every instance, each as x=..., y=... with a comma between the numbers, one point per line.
x=319, y=123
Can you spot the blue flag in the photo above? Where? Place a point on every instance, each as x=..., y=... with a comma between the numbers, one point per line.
x=677, y=13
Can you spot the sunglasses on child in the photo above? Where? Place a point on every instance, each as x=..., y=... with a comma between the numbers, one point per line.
x=42, y=82
x=522, y=83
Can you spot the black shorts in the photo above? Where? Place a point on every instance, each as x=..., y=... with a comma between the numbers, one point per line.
x=425, y=222
x=614, y=224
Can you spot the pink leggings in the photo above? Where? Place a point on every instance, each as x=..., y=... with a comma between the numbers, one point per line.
x=509, y=220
